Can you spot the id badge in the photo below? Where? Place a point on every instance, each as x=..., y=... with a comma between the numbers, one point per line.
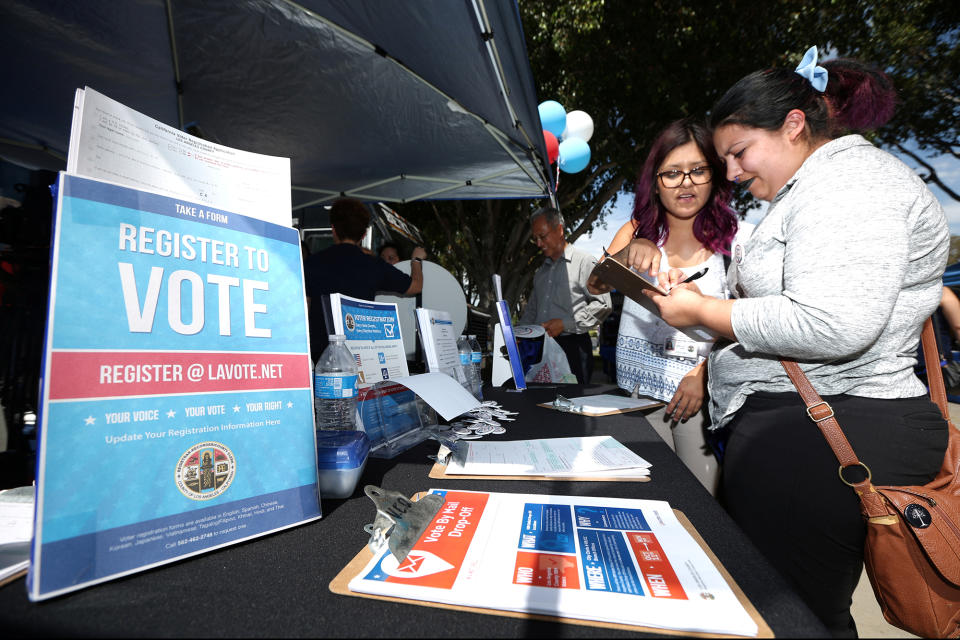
x=679, y=346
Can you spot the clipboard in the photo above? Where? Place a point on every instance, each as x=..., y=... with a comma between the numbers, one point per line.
x=340, y=586
x=598, y=414
x=613, y=271
x=439, y=472
x=13, y=576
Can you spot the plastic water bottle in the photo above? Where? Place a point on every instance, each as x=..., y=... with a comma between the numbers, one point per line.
x=476, y=356
x=466, y=364
x=335, y=387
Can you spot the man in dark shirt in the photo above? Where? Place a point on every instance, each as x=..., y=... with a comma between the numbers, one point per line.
x=346, y=268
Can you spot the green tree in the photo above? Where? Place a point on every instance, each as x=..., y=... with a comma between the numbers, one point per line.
x=636, y=66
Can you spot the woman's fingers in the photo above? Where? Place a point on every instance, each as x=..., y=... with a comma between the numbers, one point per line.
x=643, y=255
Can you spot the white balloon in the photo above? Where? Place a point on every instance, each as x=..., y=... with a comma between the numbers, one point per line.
x=579, y=125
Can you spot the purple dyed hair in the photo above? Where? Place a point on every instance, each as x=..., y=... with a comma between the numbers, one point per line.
x=715, y=224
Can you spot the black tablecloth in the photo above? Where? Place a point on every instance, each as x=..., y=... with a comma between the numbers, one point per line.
x=278, y=585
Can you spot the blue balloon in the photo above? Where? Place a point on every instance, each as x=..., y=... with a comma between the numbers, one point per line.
x=553, y=117
x=574, y=155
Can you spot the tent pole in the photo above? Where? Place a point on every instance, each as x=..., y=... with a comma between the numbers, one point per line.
x=314, y=190
x=176, y=64
x=35, y=147
x=493, y=133
x=481, y=13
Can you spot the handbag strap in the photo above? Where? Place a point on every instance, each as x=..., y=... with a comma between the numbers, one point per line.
x=931, y=359
x=822, y=414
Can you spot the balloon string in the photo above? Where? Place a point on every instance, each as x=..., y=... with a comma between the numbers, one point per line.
x=557, y=185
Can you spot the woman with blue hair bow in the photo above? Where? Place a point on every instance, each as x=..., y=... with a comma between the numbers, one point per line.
x=839, y=275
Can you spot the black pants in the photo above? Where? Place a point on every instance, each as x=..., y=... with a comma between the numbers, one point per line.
x=579, y=350
x=780, y=484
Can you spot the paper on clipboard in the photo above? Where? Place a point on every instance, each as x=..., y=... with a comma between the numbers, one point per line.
x=589, y=560
x=603, y=404
x=599, y=455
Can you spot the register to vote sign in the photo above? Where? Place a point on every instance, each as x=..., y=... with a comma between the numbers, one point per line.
x=177, y=411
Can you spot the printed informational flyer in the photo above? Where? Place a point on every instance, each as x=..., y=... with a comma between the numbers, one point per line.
x=110, y=141
x=177, y=409
x=548, y=457
x=440, y=343
x=606, y=559
x=373, y=336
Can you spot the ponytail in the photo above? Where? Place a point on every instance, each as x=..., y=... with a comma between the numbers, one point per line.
x=857, y=98
x=861, y=98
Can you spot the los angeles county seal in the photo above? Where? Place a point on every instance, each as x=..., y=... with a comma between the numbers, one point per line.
x=205, y=470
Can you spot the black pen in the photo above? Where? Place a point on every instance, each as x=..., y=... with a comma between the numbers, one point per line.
x=698, y=274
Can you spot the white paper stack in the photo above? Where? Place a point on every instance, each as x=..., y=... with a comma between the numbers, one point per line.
x=599, y=456
x=16, y=529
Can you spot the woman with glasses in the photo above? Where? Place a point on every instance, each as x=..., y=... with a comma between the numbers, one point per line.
x=839, y=275
x=681, y=219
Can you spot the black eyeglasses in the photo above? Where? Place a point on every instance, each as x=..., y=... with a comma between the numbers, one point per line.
x=673, y=178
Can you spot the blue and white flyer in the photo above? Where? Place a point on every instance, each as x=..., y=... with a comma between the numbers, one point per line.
x=439, y=340
x=373, y=336
x=610, y=560
x=176, y=410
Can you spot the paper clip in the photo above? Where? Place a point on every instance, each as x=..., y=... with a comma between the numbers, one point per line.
x=450, y=449
x=399, y=522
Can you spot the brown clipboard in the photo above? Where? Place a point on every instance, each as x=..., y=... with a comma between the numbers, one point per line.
x=439, y=472
x=341, y=586
x=613, y=271
x=12, y=577
x=611, y=412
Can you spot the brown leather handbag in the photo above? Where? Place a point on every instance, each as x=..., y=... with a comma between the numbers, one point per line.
x=912, y=550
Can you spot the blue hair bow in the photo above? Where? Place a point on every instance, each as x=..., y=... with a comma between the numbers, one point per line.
x=817, y=76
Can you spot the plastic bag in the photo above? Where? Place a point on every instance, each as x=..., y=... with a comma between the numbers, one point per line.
x=553, y=365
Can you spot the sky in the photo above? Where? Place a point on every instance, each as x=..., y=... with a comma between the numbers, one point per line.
x=948, y=169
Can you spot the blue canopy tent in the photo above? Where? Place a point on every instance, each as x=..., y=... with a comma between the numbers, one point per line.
x=383, y=101
x=387, y=101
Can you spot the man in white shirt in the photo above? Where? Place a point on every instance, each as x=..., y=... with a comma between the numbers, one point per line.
x=560, y=302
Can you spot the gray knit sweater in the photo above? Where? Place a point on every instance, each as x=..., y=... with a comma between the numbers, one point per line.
x=839, y=275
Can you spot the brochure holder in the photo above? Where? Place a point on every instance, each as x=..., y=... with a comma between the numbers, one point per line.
x=510, y=342
x=394, y=417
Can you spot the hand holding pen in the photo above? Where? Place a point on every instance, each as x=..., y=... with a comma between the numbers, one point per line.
x=670, y=280
x=696, y=276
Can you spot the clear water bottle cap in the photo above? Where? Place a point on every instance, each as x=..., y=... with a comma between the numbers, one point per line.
x=336, y=337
